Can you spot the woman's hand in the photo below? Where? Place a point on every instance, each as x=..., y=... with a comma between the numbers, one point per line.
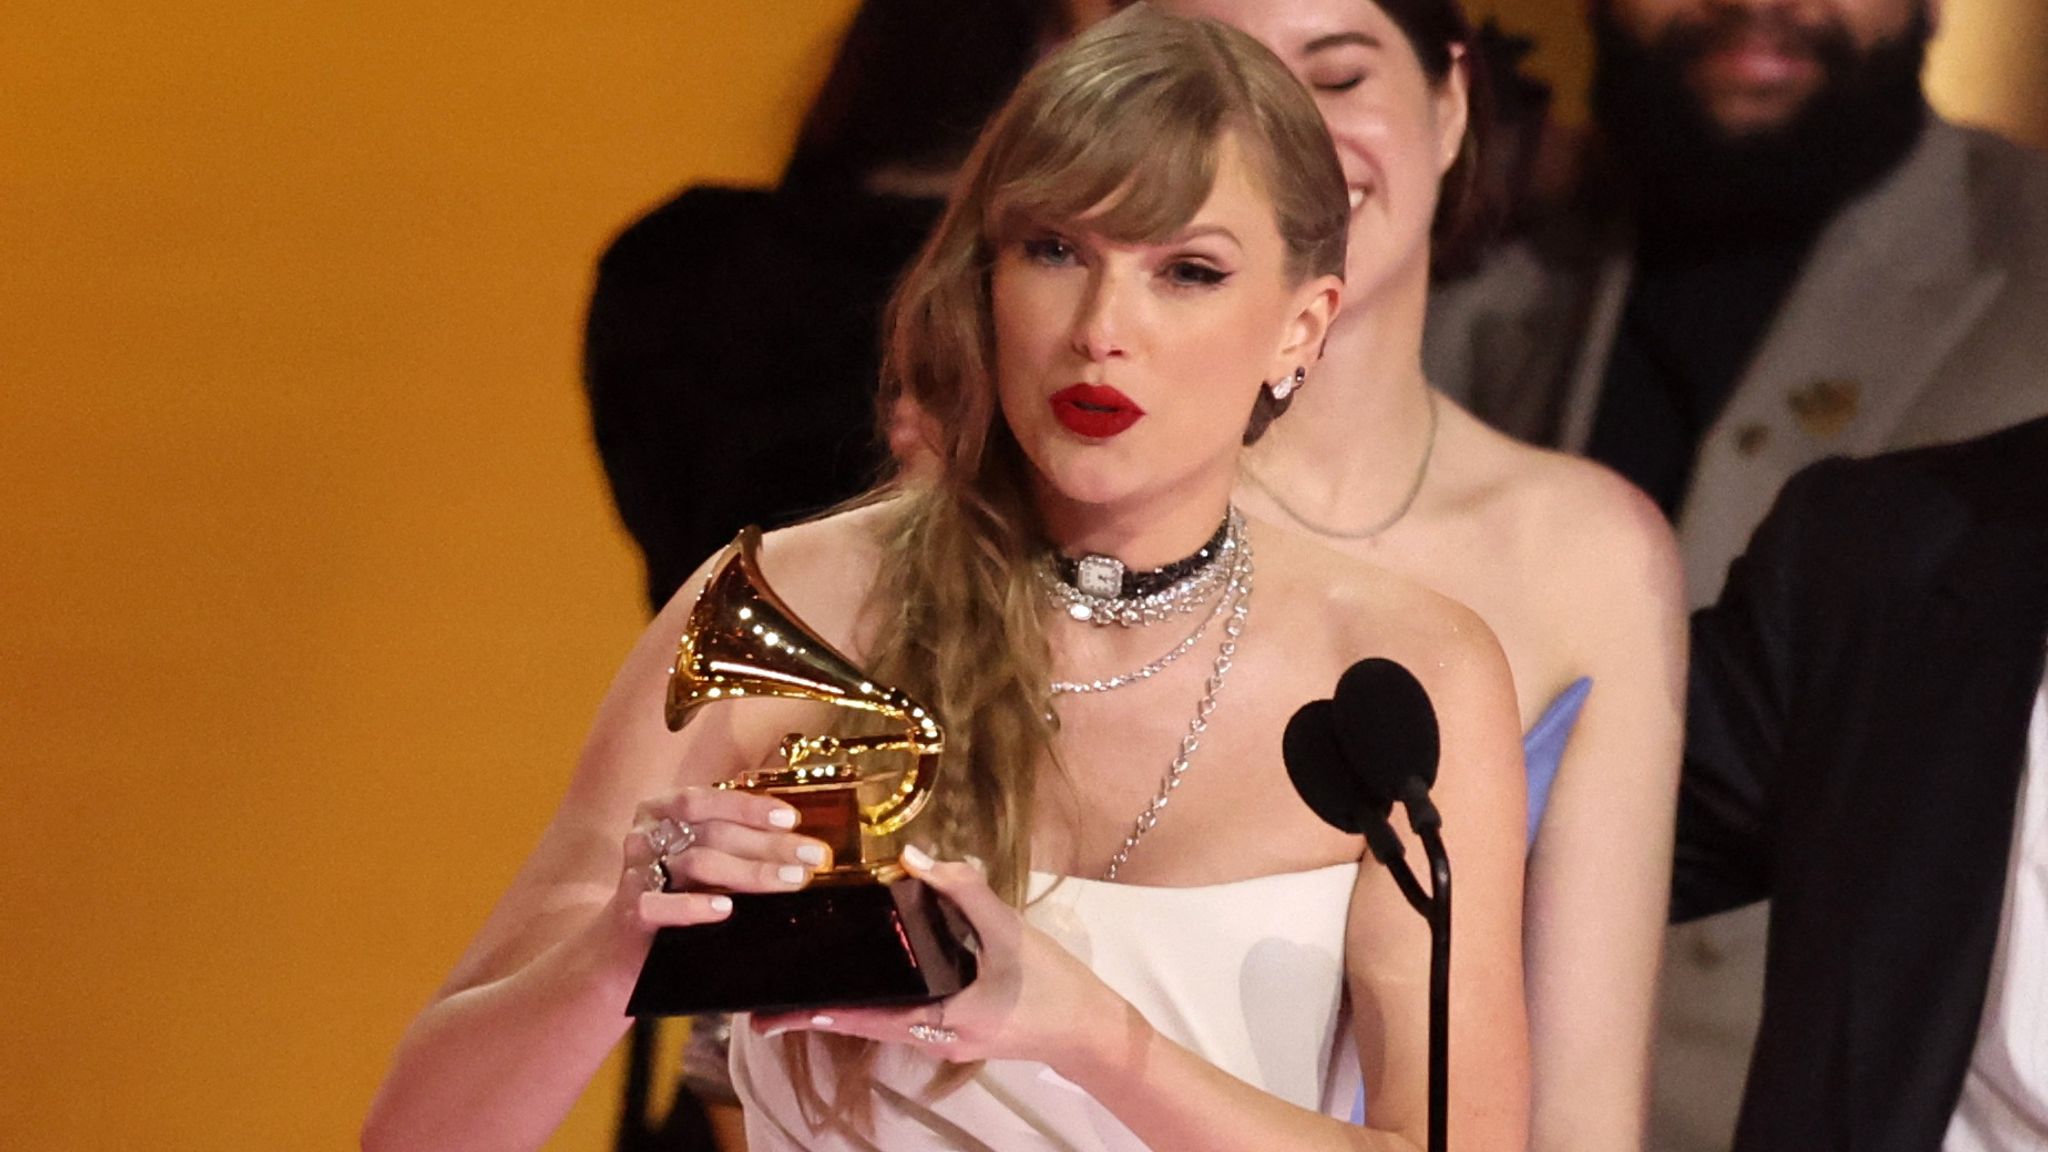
x=689, y=850
x=1030, y=1000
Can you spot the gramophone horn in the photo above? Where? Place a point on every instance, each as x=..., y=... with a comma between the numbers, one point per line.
x=741, y=640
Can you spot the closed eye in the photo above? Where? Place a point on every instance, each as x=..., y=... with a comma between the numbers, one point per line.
x=1334, y=86
x=1195, y=274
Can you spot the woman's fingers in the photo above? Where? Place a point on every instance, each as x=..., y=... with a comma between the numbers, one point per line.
x=686, y=852
x=706, y=866
x=682, y=909
x=730, y=805
x=968, y=889
x=698, y=821
x=754, y=844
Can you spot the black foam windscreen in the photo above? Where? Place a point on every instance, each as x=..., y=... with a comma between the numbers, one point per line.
x=1327, y=781
x=1385, y=727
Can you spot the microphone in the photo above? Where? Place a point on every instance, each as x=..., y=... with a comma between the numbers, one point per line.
x=1337, y=787
x=1387, y=727
x=1351, y=758
x=1386, y=724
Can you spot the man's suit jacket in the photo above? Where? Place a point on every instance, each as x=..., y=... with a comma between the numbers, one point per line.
x=1921, y=316
x=1855, y=738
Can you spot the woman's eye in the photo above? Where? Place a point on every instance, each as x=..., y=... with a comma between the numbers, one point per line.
x=1343, y=84
x=1195, y=274
x=1049, y=250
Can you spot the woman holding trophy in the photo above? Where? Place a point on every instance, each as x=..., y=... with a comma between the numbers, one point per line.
x=1140, y=262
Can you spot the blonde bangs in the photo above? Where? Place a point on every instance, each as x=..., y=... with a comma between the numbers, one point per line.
x=1134, y=179
x=1122, y=133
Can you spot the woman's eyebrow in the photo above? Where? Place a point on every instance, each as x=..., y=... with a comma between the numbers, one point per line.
x=1200, y=230
x=1341, y=40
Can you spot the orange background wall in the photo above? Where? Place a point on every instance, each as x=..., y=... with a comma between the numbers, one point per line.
x=308, y=582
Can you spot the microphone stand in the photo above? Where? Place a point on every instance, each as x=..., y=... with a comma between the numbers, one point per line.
x=1388, y=850
x=1428, y=824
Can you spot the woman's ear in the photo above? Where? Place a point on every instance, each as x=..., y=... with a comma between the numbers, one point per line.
x=1315, y=306
x=1452, y=100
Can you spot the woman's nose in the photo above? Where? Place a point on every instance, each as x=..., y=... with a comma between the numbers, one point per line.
x=1099, y=326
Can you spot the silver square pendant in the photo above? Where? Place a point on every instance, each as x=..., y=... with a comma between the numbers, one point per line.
x=1101, y=576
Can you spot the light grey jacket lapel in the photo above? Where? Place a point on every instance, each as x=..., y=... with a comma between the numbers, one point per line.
x=1892, y=287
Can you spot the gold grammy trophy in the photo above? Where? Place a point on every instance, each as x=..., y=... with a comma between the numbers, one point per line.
x=862, y=931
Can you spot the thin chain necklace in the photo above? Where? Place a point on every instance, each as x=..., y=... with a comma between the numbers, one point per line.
x=1234, y=582
x=1407, y=502
x=1233, y=627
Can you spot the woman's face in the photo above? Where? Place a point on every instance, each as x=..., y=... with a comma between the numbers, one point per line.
x=1397, y=133
x=1127, y=372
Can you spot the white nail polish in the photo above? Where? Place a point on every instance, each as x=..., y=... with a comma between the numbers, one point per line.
x=721, y=904
x=812, y=854
x=783, y=817
x=821, y=1021
x=918, y=859
x=791, y=873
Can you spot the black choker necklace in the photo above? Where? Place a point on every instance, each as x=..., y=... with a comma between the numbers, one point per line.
x=1106, y=576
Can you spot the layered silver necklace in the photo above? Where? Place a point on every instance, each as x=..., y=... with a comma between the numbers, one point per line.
x=1236, y=580
x=1230, y=567
x=1102, y=592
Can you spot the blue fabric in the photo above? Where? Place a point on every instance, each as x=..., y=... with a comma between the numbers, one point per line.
x=1543, y=746
x=1542, y=753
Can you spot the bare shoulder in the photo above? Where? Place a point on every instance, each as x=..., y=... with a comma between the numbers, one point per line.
x=824, y=569
x=1345, y=609
x=1586, y=535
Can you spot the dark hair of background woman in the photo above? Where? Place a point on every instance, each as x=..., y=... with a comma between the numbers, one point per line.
x=912, y=83
x=1468, y=208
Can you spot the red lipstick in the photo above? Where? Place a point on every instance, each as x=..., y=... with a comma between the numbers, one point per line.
x=1096, y=411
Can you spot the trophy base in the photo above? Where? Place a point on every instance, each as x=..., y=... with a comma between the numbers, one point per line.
x=848, y=944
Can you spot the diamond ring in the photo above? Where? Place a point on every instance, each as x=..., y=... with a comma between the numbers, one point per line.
x=668, y=837
x=933, y=1034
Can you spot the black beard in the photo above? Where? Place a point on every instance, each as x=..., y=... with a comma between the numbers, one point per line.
x=1689, y=172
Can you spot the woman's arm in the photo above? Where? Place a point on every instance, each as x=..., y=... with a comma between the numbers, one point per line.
x=1481, y=792
x=1174, y=1099
x=538, y=1000
x=1598, y=885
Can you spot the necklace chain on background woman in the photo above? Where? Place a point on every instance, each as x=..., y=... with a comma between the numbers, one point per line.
x=1407, y=502
x=1238, y=571
x=1233, y=627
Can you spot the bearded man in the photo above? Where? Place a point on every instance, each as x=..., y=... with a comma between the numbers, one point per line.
x=1776, y=252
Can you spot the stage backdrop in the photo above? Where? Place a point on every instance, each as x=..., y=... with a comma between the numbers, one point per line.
x=308, y=584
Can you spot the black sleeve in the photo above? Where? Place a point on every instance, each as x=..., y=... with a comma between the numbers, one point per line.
x=637, y=375
x=730, y=360
x=1740, y=702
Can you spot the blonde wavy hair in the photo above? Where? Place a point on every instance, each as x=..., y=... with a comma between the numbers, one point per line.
x=1122, y=129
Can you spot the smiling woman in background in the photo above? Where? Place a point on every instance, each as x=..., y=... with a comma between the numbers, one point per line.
x=1571, y=567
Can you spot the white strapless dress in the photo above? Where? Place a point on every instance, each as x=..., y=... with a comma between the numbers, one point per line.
x=1249, y=975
